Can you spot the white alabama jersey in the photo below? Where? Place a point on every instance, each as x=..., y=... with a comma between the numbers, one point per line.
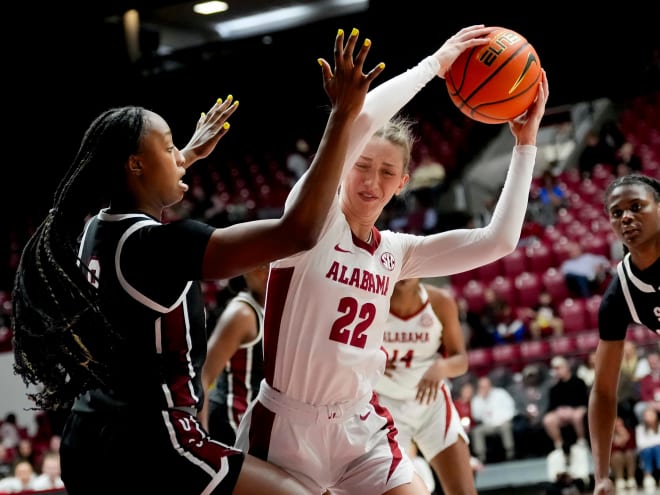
x=326, y=310
x=412, y=342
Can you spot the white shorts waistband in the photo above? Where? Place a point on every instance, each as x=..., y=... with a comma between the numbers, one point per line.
x=302, y=412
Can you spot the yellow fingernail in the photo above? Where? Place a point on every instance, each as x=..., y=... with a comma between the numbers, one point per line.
x=230, y=97
x=340, y=32
x=367, y=42
x=219, y=101
x=236, y=103
x=320, y=62
x=203, y=115
x=225, y=126
x=381, y=65
x=354, y=32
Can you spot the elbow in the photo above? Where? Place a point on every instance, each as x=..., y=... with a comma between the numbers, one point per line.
x=305, y=237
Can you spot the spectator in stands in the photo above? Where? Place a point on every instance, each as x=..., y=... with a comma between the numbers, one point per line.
x=630, y=361
x=543, y=319
x=493, y=410
x=584, y=272
x=550, y=199
x=594, y=152
x=623, y=459
x=531, y=395
x=21, y=479
x=463, y=403
x=5, y=461
x=298, y=159
x=627, y=160
x=51, y=474
x=586, y=369
x=647, y=438
x=9, y=431
x=628, y=387
x=498, y=319
x=567, y=406
x=649, y=386
x=25, y=450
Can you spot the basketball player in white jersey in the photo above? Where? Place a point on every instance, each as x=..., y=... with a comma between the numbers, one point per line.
x=316, y=414
x=425, y=345
x=633, y=296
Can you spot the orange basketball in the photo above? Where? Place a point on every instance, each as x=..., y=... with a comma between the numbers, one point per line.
x=495, y=82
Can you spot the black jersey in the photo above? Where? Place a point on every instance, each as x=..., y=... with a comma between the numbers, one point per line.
x=147, y=275
x=633, y=297
x=239, y=381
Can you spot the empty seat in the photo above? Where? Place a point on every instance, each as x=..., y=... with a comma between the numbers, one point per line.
x=596, y=243
x=539, y=257
x=534, y=350
x=586, y=342
x=555, y=283
x=505, y=289
x=561, y=250
x=562, y=346
x=480, y=360
x=462, y=278
x=473, y=293
x=506, y=355
x=489, y=271
x=572, y=312
x=528, y=287
x=514, y=263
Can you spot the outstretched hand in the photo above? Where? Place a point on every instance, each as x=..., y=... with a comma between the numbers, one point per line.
x=210, y=128
x=467, y=37
x=526, y=127
x=347, y=84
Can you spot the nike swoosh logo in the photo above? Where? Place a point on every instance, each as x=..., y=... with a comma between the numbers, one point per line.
x=337, y=248
x=531, y=58
x=365, y=415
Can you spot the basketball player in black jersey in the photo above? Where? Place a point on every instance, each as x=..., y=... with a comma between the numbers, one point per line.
x=633, y=296
x=115, y=323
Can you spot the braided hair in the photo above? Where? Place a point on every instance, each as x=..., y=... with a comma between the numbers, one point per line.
x=61, y=338
x=634, y=179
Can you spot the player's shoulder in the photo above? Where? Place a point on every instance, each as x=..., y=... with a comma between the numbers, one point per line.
x=439, y=295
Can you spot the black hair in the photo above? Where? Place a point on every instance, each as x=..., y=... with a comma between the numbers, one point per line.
x=633, y=179
x=61, y=336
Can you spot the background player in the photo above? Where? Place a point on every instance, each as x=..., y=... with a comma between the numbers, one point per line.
x=633, y=296
x=234, y=363
x=423, y=320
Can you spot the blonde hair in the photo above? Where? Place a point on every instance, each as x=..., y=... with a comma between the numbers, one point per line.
x=399, y=131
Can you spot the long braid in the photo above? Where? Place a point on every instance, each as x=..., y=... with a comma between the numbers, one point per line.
x=62, y=339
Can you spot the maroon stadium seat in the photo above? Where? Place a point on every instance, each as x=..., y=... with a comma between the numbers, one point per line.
x=528, y=288
x=562, y=346
x=505, y=289
x=488, y=272
x=473, y=293
x=534, y=350
x=555, y=283
x=574, y=315
x=539, y=257
x=514, y=263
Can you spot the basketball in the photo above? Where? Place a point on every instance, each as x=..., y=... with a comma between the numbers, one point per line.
x=495, y=82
